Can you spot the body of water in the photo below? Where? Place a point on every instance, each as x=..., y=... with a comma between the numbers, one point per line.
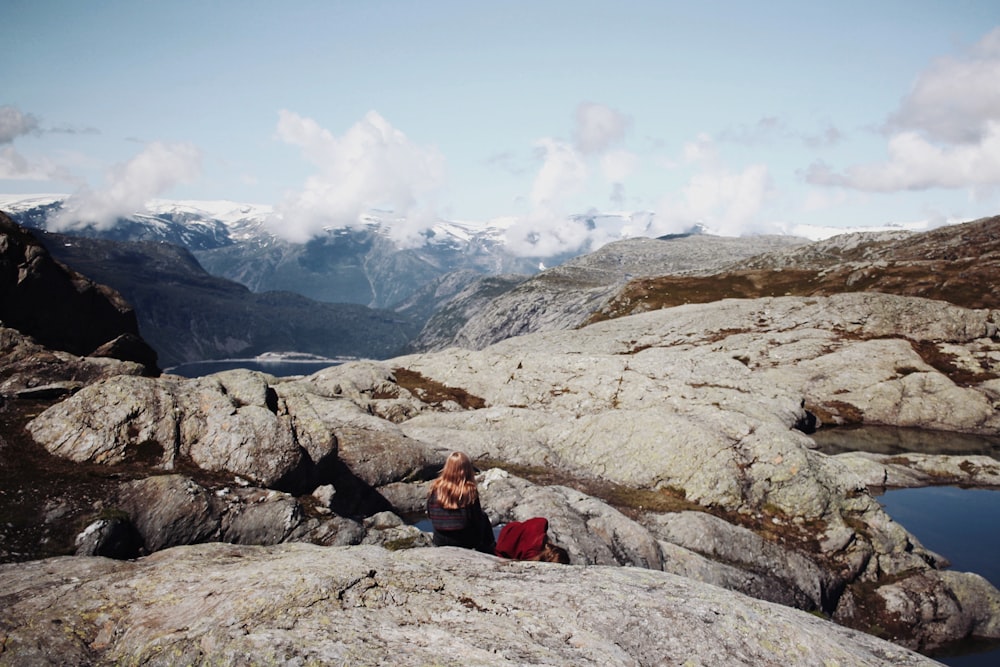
x=277, y=368
x=958, y=523
x=961, y=525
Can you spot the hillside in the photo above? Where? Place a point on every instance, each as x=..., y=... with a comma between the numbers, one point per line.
x=186, y=314
x=564, y=296
x=959, y=264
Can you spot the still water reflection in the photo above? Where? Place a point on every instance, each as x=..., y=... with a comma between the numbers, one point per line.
x=960, y=524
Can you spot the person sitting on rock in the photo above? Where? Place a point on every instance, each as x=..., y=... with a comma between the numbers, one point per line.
x=529, y=540
x=454, y=510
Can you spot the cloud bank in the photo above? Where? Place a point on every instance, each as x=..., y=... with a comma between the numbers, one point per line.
x=568, y=170
x=598, y=128
x=158, y=168
x=15, y=123
x=945, y=134
x=725, y=201
x=372, y=166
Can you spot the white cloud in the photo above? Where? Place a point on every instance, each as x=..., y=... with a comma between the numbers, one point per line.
x=914, y=163
x=956, y=99
x=372, y=166
x=548, y=229
x=15, y=123
x=154, y=171
x=15, y=166
x=946, y=133
x=598, y=127
x=702, y=150
x=727, y=202
x=618, y=165
x=563, y=174
x=546, y=233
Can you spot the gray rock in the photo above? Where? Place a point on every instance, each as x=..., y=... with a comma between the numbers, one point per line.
x=259, y=516
x=29, y=370
x=563, y=297
x=593, y=532
x=113, y=421
x=170, y=510
x=744, y=560
x=917, y=470
x=303, y=604
x=925, y=609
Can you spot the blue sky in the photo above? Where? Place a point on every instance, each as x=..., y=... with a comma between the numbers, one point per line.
x=745, y=116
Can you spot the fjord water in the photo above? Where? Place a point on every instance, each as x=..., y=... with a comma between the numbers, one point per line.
x=277, y=368
x=961, y=524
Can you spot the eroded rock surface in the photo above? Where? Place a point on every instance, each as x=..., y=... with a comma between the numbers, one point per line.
x=303, y=604
x=704, y=402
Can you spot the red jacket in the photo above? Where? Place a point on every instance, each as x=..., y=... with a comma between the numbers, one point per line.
x=522, y=540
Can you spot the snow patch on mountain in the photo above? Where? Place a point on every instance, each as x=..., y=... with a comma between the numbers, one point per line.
x=253, y=222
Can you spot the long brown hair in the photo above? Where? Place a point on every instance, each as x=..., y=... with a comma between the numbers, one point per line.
x=455, y=487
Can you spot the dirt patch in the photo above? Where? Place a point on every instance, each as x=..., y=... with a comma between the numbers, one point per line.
x=433, y=392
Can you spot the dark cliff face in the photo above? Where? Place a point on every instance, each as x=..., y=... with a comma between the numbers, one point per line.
x=60, y=308
x=187, y=314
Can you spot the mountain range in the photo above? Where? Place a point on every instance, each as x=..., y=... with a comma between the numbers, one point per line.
x=211, y=280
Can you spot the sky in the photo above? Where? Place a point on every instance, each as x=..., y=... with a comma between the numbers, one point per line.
x=743, y=116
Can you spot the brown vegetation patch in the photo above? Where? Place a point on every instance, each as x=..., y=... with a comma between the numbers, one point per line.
x=668, y=291
x=836, y=413
x=947, y=365
x=433, y=392
x=870, y=612
x=45, y=501
x=629, y=501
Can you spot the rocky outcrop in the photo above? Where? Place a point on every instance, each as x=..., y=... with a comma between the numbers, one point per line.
x=30, y=370
x=563, y=297
x=918, y=470
x=954, y=263
x=700, y=402
x=303, y=604
x=78, y=316
x=240, y=422
x=174, y=510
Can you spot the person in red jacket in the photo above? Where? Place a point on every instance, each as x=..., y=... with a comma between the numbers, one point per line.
x=529, y=540
x=454, y=510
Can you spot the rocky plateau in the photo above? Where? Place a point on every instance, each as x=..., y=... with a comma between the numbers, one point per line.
x=669, y=448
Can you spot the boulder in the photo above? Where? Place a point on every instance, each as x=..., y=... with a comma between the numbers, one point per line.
x=115, y=420
x=170, y=510
x=593, y=532
x=304, y=604
x=926, y=609
x=30, y=370
x=174, y=510
x=229, y=422
x=770, y=572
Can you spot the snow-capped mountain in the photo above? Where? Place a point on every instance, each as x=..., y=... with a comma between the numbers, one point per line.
x=360, y=263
